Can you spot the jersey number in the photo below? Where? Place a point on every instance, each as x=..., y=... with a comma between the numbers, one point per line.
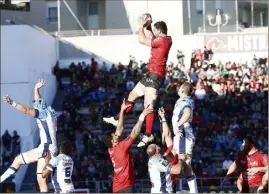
x=67, y=172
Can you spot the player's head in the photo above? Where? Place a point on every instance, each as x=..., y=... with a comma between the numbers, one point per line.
x=40, y=104
x=248, y=144
x=185, y=89
x=159, y=28
x=153, y=149
x=110, y=140
x=66, y=147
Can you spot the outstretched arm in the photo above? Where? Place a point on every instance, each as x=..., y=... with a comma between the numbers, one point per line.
x=138, y=126
x=38, y=85
x=166, y=130
x=141, y=34
x=20, y=107
x=120, y=125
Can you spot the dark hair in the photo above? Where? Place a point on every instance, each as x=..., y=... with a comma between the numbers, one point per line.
x=66, y=147
x=187, y=88
x=250, y=140
x=107, y=139
x=161, y=25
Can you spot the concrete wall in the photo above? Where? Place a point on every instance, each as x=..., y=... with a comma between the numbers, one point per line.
x=118, y=48
x=23, y=62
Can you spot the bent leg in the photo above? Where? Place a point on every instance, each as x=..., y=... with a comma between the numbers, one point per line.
x=23, y=158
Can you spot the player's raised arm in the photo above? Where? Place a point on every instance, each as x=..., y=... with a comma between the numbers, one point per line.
x=166, y=131
x=120, y=125
x=38, y=85
x=141, y=34
x=20, y=107
x=138, y=126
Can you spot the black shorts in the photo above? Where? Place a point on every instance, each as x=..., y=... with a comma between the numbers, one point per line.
x=126, y=190
x=252, y=190
x=152, y=80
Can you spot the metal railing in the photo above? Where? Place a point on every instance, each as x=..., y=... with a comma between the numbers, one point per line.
x=230, y=28
x=143, y=185
x=98, y=32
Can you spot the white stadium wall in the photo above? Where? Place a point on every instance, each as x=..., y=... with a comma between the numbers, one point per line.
x=226, y=46
x=118, y=48
x=27, y=54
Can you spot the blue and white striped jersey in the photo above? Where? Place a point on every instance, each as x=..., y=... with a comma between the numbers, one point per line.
x=159, y=172
x=180, y=105
x=47, y=124
x=62, y=167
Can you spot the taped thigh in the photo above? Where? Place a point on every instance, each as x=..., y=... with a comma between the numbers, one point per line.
x=24, y=159
x=139, y=89
x=31, y=155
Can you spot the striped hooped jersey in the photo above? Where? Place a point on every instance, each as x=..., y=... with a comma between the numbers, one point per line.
x=180, y=105
x=47, y=124
x=159, y=172
x=62, y=167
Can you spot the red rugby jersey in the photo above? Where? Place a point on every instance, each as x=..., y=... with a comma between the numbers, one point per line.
x=122, y=161
x=245, y=161
x=160, y=48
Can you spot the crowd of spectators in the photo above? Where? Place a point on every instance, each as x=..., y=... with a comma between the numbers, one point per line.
x=10, y=148
x=230, y=101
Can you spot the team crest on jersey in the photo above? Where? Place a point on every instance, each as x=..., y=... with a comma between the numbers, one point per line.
x=254, y=163
x=165, y=163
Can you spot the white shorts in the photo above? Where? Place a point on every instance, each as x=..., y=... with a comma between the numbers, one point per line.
x=42, y=149
x=184, y=144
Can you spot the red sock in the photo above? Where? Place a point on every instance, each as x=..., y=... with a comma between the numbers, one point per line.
x=127, y=110
x=149, y=123
x=168, y=150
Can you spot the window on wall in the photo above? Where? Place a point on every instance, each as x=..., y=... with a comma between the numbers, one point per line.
x=218, y=4
x=93, y=8
x=199, y=6
x=52, y=14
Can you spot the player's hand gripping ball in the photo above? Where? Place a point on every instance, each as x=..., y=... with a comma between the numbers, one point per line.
x=147, y=18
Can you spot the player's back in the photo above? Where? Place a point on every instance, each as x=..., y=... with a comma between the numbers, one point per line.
x=61, y=178
x=161, y=181
x=123, y=165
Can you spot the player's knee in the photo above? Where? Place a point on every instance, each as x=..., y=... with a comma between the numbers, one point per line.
x=150, y=102
x=133, y=95
x=20, y=160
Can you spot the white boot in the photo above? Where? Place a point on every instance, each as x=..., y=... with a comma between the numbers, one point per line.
x=145, y=140
x=111, y=120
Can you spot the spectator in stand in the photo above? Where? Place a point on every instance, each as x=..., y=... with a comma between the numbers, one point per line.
x=57, y=73
x=200, y=92
x=15, y=144
x=6, y=140
x=226, y=163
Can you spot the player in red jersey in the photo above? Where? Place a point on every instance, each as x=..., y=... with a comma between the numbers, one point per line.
x=124, y=177
x=149, y=85
x=172, y=156
x=253, y=165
